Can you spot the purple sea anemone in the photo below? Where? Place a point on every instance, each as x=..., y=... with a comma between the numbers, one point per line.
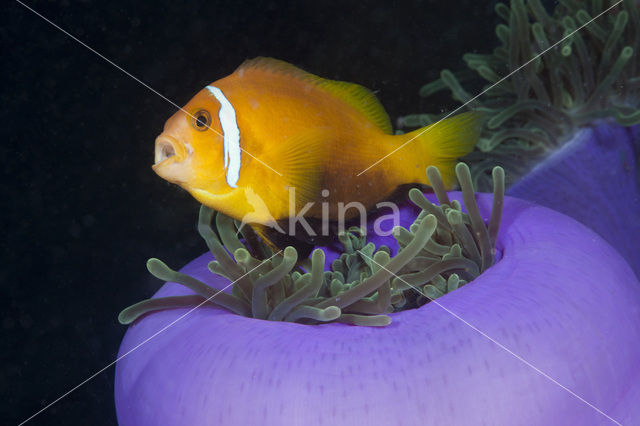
x=548, y=335
x=598, y=160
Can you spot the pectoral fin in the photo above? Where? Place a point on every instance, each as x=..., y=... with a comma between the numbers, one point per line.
x=300, y=162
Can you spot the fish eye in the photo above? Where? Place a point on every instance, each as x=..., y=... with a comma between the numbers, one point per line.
x=201, y=120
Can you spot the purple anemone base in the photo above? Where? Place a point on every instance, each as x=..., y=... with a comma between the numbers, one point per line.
x=557, y=319
x=600, y=160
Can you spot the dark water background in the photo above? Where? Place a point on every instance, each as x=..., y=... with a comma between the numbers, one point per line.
x=81, y=208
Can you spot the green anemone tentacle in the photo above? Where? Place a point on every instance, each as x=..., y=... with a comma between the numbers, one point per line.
x=441, y=251
x=565, y=69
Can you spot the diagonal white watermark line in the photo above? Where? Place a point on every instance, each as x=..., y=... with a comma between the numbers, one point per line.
x=144, y=342
x=500, y=345
x=490, y=87
x=137, y=79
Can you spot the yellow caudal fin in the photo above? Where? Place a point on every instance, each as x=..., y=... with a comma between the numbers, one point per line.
x=446, y=141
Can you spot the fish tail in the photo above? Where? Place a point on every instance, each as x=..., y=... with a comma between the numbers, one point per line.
x=444, y=142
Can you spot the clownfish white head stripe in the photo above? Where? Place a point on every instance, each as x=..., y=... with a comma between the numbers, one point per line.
x=231, y=136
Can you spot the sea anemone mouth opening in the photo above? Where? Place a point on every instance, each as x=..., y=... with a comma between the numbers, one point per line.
x=444, y=249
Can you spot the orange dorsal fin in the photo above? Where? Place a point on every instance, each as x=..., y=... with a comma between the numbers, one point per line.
x=358, y=97
x=361, y=99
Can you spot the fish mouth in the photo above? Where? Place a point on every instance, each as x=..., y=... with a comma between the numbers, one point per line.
x=171, y=159
x=168, y=150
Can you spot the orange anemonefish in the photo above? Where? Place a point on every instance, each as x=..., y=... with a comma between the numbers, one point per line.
x=270, y=135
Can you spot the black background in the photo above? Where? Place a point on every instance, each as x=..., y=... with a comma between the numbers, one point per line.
x=81, y=208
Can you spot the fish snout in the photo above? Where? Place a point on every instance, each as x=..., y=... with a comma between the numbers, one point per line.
x=169, y=148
